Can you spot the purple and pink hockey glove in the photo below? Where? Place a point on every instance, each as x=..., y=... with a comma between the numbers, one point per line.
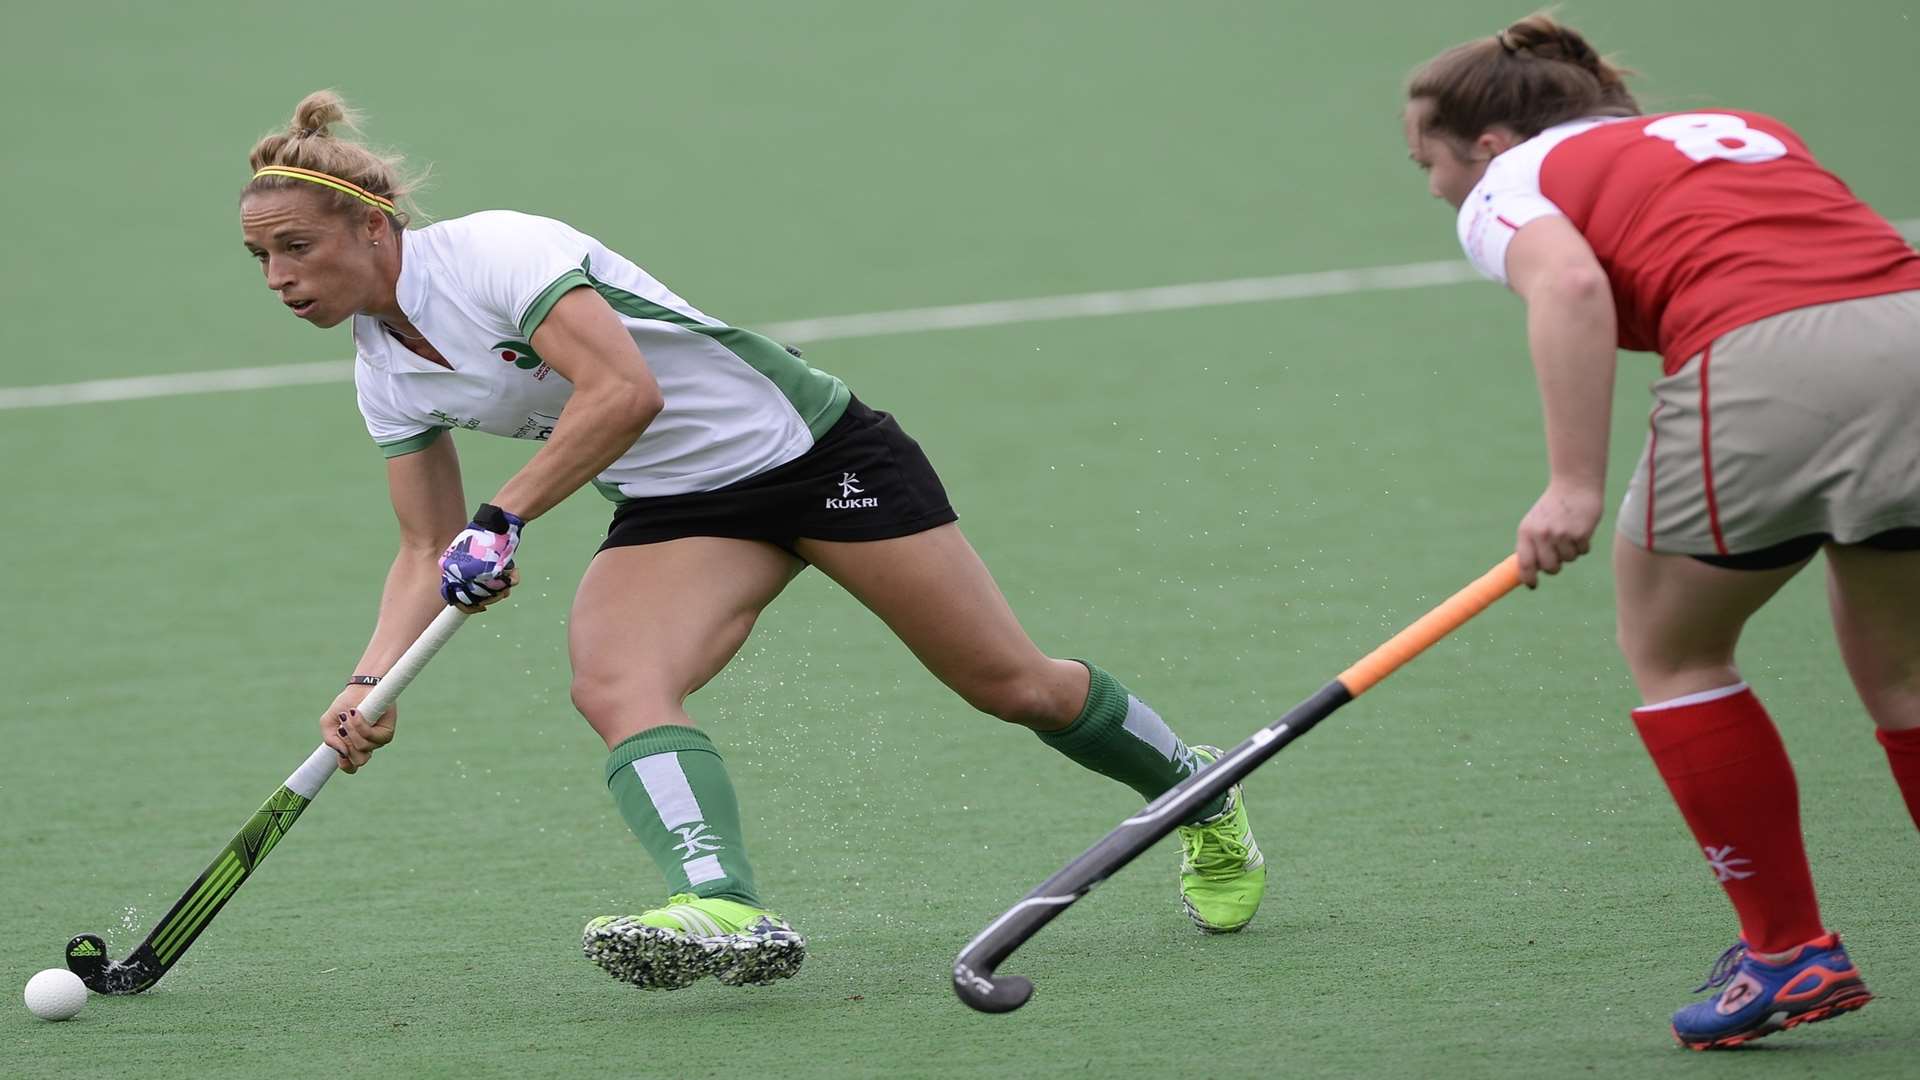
x=474, y=567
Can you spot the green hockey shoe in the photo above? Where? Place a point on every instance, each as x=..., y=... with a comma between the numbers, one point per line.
x=1222, y=873
x=692, y=937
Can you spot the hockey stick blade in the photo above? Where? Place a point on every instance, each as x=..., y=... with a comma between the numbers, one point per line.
x=194, y=911
x=974, y=978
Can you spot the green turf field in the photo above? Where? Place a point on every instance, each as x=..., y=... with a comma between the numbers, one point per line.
x=1475, y=870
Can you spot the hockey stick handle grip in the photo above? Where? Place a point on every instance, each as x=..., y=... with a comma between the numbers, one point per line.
x=1432, y=626
x=320, y=765
x=423, y=649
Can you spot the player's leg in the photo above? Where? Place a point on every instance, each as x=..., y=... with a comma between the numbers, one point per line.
x=1761, y=453
x=651, y=624
x=1715, y=746
x=1722, y=759
x=935, y=594
x=1875, y=596
x=1722, y=473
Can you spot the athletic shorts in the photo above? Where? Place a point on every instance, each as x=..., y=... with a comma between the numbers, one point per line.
x=1799, y=429
x=864, y=480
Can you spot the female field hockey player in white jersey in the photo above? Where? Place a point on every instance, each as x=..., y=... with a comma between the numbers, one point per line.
x=1787, y=314
x=732, y=465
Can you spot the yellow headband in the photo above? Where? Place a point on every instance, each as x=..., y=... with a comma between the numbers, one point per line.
x=378, y=202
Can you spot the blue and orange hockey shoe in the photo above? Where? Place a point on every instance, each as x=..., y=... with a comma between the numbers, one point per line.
x=1817, y=983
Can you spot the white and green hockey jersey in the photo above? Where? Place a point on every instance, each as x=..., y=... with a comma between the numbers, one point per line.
x=737, y=403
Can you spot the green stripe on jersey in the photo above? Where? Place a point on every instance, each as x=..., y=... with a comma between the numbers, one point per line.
x=818, y=397
x=412, y=444
x=549, y=296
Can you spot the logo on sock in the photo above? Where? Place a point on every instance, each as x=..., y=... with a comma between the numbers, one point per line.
x=849, y=487
x=695, y=839
x=1188, y=761
x=1723, y=865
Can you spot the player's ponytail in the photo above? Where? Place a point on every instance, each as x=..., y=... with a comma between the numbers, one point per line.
x=1528, y=77
x=1542, y=37
x=309, y=144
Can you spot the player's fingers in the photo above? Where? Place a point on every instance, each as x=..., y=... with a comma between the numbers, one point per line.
x=1568, y=549
x=375, y=734
x=359, y=734
x=335, y=737
x=1523, y=552
x=1546, y=556
x=494, y=590
x=474, y=596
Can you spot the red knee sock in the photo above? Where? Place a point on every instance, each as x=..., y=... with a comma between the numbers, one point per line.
x=1729, y=773
x=1903, y=753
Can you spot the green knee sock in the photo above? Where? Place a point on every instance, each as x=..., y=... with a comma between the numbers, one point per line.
x=673, y=791
x=1118, y=735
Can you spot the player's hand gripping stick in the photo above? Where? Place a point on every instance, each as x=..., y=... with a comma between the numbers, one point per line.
x=474, y=567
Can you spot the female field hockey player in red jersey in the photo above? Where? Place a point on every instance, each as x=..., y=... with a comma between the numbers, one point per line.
x=1787, y=315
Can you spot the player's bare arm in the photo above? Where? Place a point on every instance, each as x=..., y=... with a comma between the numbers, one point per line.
x=428, y=506
x=614, y=398
x=1570, y=332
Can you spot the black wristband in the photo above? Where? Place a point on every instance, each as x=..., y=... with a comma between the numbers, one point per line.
x=363, y=680
x=492, y=519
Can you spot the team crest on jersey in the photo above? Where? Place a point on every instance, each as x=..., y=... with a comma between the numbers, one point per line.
x=521, y=355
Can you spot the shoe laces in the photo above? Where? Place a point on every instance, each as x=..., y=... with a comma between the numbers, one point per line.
x=1723, y=968
x=1216, y=849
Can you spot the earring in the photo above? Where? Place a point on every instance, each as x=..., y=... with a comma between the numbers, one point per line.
x=376, y=243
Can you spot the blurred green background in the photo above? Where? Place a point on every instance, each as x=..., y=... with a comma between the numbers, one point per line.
x=1475, y=871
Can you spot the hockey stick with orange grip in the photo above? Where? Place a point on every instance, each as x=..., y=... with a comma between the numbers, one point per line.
x=973, y=971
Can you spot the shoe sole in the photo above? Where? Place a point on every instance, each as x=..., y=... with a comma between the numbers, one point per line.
x=649, y=957
x=760, y=957
x=654, y=958
x=1207, y=927
x=1845, y=1001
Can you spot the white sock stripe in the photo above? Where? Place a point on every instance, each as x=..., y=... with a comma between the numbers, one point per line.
x=1700, y=698
x=704, y=869
x=667, y=786
x=1145, y=724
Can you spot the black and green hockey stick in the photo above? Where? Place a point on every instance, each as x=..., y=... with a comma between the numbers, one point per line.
x=87, y=954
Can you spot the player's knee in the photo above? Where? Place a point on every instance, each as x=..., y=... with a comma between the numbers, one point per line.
x=1892, y=697
x=1021, y=699
x=608, y=701
x=1653, y=655
x=1642, y=660
x=1663, y=670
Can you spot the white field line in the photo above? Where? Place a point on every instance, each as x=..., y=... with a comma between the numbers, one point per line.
x=836, y=327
